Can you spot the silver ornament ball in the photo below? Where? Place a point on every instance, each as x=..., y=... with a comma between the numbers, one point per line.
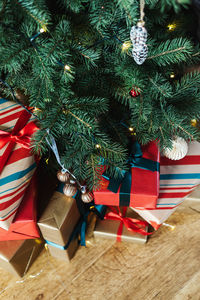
x=179, y=149
x=63, y=177
x=87, y=197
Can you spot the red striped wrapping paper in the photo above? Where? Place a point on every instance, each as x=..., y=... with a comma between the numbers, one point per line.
x=18, y=168
x=178, y=178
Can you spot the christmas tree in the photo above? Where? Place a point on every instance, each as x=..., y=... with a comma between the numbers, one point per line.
x=74, y=61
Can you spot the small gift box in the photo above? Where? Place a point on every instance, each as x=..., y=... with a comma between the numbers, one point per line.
x=139, y=186
x=17, y=256
x=122, y=225
x=17, y=164
x=63, y=252
x=24, y=225
x=178, y=178
x=58, y=225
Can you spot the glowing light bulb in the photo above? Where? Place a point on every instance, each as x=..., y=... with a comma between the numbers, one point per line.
x=38, y=241
x=67, y=68
x=172, y=227
x=172, y=27
x=42, y=30
x=36, y=109
x=98, y=146
x=172, y=75
x=126, y=46
x=193, y=122
x=131, y=129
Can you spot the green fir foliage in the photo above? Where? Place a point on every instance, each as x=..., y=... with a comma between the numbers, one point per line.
x=79, y=72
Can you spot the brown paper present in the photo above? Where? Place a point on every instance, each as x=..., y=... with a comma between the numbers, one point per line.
x=111, y=229
x=59, y=219
x=61, y=252
x=17, y=256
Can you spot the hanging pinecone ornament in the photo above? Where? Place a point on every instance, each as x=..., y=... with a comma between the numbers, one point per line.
x=133, y=93
x=138, y=37
x=179, y=149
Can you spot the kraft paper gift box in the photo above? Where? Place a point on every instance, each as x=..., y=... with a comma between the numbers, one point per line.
x=117, y=225
x=17, y=164
x=57, y=224
x=24, y=225
x=178, y=178
x=17, y=256
x=140, y=186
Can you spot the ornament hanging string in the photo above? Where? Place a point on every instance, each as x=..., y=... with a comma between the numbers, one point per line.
x=142, y=4
x=138, y=35
x=52, y=144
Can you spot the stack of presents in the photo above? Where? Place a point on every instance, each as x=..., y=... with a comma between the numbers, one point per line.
x=126, y=208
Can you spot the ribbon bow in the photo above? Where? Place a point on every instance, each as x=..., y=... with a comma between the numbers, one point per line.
x=21, y=134
x=23, y=137
x=131, y=224
x=124, y=181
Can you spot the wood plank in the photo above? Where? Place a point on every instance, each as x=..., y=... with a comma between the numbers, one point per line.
x=167, y=267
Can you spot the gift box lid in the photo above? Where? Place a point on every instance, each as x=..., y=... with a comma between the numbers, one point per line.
x=59, y=218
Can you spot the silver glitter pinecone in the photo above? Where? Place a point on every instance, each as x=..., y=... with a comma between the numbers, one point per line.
x=138, y=37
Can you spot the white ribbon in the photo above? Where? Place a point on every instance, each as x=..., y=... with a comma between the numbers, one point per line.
x=52, y=144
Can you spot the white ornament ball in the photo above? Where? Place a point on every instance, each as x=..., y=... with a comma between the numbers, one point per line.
x=69, y=190
x=179, y=149
x=63, y=177
x=87, y=197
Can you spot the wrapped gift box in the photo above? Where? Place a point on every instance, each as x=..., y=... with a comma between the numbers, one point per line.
x=116, y=228
x=177, y=180
x=24, y=225
x=63, y=252
x=17, y=164
x=17, y=256
x=57, y=224
x=195, y=195
x=142, y=185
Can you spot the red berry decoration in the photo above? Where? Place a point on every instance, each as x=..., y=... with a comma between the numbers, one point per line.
x=133, y=93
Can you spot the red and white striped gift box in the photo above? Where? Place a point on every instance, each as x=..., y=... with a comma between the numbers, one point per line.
x=178, y=178
x=19, y=166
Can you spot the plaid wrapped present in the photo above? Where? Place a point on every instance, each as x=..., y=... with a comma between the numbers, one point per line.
x=138, y=187
x=17, y=164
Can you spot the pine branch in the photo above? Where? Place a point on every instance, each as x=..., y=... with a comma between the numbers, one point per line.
x=166, y=52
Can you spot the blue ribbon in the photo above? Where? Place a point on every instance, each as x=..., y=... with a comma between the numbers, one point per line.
x=125, y=179
x=79, y=228
x=84, y=209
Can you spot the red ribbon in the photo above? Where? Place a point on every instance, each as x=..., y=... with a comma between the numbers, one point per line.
x=131, y=224
x=21, y=134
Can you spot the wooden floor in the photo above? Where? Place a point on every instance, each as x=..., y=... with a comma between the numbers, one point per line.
x=167, y=267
